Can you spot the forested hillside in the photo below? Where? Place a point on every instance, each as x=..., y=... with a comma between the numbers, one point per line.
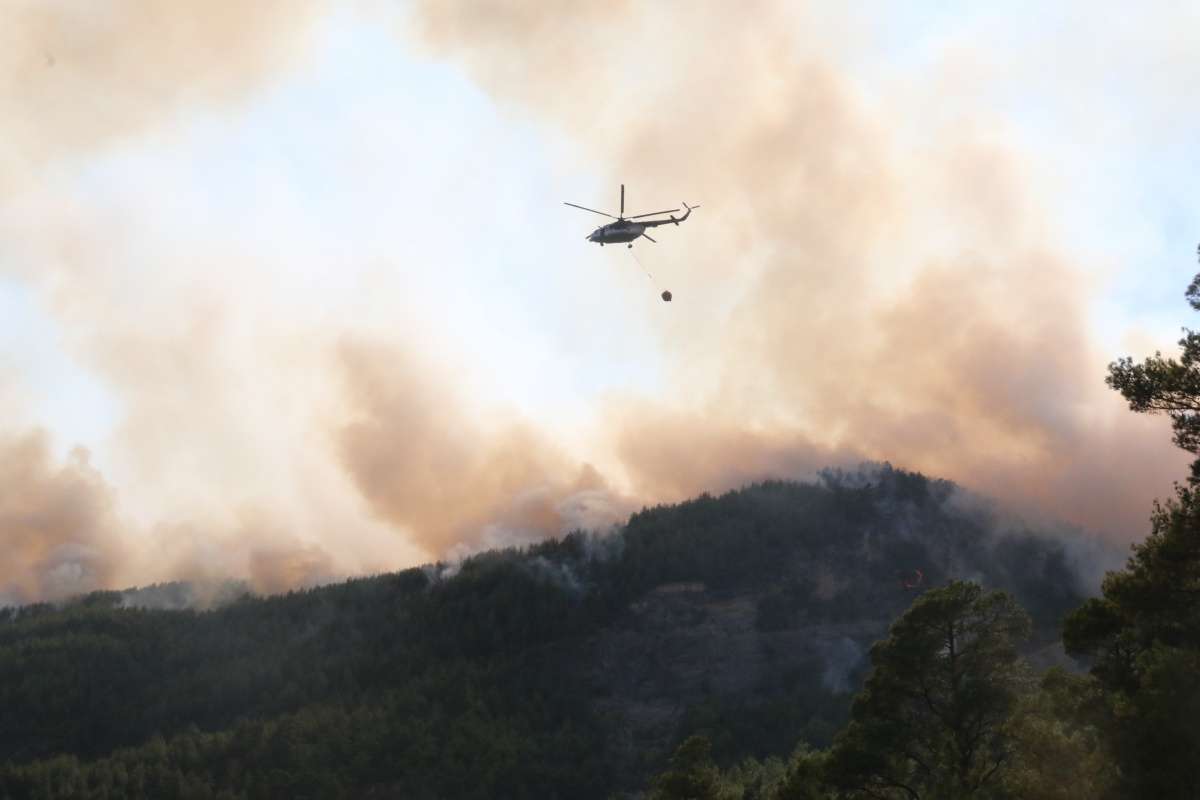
x=572, y=668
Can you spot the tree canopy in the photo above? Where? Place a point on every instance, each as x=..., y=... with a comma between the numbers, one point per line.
x=1143, y=634
x=931, y=720
x=1165, y=385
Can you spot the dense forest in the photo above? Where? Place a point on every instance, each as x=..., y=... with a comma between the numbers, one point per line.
x=873, y=633
x=567, y=669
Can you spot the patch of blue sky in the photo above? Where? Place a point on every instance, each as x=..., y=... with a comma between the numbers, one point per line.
x=1097, y=109
x=367, y=158
x=58, y=393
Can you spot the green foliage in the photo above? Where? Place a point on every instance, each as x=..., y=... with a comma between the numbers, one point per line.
x=480, y=681
x=1060, y=752
x=762, y=726
x=805, y=778
x=692, y=775
x=1143, y=634
x=1155, y=599
x=931, y=721
x=1164, y=385
x=1157, y=739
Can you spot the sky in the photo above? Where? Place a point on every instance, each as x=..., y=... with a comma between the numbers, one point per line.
x=288, y=292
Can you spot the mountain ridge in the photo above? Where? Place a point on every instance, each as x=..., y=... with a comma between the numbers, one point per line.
x=572, y=666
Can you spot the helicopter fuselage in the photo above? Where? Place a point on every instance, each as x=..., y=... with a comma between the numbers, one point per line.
x=617, y=232
x=625, y=230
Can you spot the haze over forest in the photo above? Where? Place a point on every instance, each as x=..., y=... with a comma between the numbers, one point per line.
x=289, y=293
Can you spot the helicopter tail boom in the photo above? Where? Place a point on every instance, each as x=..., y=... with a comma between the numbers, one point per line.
x=672, y=219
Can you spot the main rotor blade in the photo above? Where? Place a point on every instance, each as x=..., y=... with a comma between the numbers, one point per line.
x=652, y=213
x=622, y=200
x=585, y=208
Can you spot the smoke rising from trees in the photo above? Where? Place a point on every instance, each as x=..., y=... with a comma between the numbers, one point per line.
x=866, y=280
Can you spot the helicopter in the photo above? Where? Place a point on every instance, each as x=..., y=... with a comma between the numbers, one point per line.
x=625, y=229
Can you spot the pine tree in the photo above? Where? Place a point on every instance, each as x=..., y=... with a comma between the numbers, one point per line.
x=1143, y=633
x=931, y=721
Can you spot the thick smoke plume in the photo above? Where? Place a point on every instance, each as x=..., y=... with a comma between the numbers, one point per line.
x=78, y=76
x=58, y=529
x=425, y=466
x=866, y=275
x=871, y=276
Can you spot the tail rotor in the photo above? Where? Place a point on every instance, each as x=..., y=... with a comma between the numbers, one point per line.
x=690, y=209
